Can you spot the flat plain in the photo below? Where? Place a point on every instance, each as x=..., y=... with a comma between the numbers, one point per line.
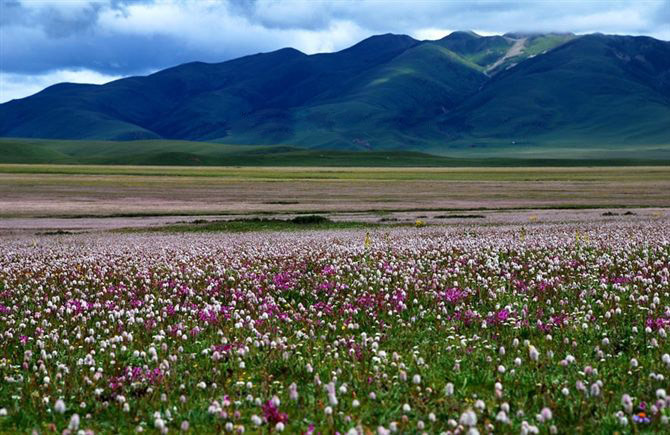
x=126, y=191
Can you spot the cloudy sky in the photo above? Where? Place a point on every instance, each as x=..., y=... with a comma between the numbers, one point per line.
x=95, y=41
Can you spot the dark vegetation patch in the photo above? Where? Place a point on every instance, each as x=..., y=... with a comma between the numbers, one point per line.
x=54, y=233
x=460, y=216
x=302, y=222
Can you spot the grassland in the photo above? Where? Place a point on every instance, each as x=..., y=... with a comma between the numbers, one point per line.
x=196, y=154
x=79, y=190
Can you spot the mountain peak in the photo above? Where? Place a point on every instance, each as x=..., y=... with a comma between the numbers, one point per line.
x=387, y=41
x=462, y=34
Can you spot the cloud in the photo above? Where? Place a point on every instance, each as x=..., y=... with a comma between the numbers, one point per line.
x=14, y=86
x=124, y=37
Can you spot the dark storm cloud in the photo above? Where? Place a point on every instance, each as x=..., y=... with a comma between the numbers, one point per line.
x=120, y=37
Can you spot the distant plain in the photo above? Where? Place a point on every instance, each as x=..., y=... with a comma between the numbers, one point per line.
x=80, y=191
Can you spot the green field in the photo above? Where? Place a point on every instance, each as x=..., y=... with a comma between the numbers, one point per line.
x=188, y=153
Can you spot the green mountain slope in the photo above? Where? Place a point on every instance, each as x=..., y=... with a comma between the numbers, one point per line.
x=595, y=89
x=462, y=94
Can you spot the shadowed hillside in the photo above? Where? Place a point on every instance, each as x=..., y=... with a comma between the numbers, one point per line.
x=463, y=93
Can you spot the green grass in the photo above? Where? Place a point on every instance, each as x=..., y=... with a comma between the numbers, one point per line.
x=185, y=153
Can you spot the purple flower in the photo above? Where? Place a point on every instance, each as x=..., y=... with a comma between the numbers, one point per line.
x=272, y=413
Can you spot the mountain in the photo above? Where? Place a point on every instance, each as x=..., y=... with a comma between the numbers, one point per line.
x=463, y=93
x=596, y=88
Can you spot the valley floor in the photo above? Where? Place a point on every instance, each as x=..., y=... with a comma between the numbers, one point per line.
x=140, y=196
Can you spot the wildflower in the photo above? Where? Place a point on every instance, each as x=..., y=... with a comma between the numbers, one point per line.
x=502, y=417
x=272, y=413
x=279, y=427
x=641, y=418
x=633, y=363
x=3, y=412
x=627, y=403
x=293, y=391
x=332, y=398
x=595, y=389
x=468, y=418
x=416, y=380
x=256, y=420
x=59, y=406
x=74, y=422
x=184, y=425
x=449, y=389
x=406, y=407
x=355, y=403
x=545, y=415
x=533, y=353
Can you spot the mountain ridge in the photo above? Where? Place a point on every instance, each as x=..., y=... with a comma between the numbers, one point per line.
x=385, y=92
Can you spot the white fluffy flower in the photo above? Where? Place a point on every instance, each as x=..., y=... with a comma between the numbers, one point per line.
x=59, y=406
x=468, y=418
x=74, y=422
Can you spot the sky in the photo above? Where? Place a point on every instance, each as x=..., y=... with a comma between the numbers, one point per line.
x=45, y=42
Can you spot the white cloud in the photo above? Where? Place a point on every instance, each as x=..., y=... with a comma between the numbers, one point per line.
x=430, y=33
x=14, y=86
x=127, y=37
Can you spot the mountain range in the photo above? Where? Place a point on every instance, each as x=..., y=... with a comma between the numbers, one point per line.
x=463, y=93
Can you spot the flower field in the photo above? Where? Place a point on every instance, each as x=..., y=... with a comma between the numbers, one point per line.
x=547, y=328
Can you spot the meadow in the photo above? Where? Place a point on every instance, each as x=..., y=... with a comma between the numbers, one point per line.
x=108, y=191
x=531, y=328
